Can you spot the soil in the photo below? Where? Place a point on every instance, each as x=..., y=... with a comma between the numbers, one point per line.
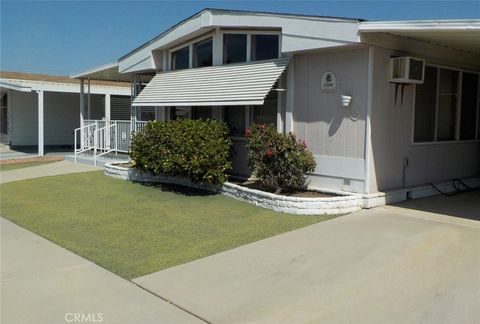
x=303, y=193
x=32, y=159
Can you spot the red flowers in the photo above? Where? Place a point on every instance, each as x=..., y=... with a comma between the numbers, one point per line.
x=248, y=131
x=269, y=154
x=304, y=144
x=263, y=126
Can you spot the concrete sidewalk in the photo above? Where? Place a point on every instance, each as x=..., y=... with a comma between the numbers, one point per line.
x=385, y=265
x=44, y=283
x=50, y=169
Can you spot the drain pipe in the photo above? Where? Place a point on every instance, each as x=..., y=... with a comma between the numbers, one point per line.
x=405, y=166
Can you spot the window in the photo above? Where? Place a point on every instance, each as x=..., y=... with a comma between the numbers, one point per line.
x=202, y=113
x=425, y=105
x=234, y=116
x=181, y=59
x=267, y=113
x=234, y=48
x=447, y=105
x=264, y=47
x=179, y=113
x=468, y=112
x=147, y=113
x=202, y=53
x=4, y=115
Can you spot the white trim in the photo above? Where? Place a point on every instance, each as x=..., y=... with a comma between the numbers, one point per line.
x=13, y=86
x=206, y=103
x=419, y=25
x=85, y=74
x=108, y=107
x=368, y=131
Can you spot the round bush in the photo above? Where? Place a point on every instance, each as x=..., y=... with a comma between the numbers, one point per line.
x=279, y=161
x=198, y=150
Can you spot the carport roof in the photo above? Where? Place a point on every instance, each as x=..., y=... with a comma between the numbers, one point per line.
x=457, y=34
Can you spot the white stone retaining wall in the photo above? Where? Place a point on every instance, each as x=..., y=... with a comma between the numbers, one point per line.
x=342, y=204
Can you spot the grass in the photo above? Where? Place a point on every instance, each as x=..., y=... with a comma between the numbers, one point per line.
x=9, y=167
x=133, y=229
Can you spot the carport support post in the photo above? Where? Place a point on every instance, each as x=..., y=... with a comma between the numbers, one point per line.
x=41, y=151
x=107, y=119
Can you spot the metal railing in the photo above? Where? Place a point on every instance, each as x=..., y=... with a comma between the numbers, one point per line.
x=105, y=136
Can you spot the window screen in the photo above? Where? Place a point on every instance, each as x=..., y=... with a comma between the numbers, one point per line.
x=234, y=48
x=202, y=53
x=180, y=59
x=234, y=116
x=447, y=105
x=202, y=113
x=425, y=103
x=264, y=47
x=267, y=113
x=468, y=117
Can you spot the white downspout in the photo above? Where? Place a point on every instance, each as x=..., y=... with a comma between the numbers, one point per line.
x=41, y=148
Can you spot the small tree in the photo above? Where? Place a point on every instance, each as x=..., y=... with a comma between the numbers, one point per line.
x=198, y=150
x=279, y=161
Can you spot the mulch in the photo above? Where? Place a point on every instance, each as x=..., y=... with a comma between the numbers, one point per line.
x=32, y=159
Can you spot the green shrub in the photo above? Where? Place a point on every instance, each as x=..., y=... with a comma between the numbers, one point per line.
x=198, y=150
x=279, y=161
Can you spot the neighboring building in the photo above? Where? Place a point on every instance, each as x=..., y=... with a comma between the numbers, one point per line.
x=330, y=81
x=42, y=111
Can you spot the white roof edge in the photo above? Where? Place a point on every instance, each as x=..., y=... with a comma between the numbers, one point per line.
x=13, y=86
x=94, y=70
x=420, y=25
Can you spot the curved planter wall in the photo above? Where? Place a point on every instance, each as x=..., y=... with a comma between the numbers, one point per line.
x=338, y=205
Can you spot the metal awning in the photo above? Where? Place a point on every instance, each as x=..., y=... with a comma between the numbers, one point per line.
x=222, y=85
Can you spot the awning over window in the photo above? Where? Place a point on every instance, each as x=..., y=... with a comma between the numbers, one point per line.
x=222, y=85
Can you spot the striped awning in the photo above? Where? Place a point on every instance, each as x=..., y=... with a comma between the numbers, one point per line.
x=221, y=85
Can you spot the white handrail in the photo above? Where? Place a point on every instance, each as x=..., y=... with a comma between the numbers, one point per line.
x=83, y=147
x=103, y=141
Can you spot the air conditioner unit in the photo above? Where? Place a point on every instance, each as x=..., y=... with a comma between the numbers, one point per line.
x=407, y=70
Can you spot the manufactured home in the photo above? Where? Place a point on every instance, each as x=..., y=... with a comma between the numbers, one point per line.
x=41, y=112
x=382, y=105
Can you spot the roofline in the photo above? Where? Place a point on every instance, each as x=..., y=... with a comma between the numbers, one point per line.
x=94, y=70
x=420, y=25
x=13, y=86
x=234, y=11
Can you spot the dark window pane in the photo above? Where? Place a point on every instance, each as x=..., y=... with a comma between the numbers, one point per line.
x=180, y=59
x=234, y=48
x=264, y=47
x=234, y=116
x=179, y=113
x=202, y=53
x=267, y=113
x=447, y=105
x=202, y=113
x=425, y=102
x=468, y=117
x=147, y=113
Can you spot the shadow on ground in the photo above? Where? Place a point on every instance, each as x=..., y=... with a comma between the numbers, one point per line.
x=464, y=205
x=180, y=190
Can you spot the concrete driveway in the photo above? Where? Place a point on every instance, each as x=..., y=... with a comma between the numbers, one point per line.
x=396, y=264
x=44, y=283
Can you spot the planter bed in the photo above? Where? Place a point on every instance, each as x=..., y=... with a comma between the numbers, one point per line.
x=324, y=203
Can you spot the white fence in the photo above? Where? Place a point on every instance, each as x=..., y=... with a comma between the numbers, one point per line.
x=105, y=136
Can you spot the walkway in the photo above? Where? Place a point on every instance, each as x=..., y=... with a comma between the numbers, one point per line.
x=50, y=169
x=385, y=265
x=44, y=283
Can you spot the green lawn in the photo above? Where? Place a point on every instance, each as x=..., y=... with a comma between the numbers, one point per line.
x=133, y=229
x=9, y=167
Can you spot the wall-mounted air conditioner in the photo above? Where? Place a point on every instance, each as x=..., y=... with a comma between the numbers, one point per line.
x=407, y=70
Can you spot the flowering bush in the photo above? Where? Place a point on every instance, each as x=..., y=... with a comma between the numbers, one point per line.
x=198, y=150
x=279, y=161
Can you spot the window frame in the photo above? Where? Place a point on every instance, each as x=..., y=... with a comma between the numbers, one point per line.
x=457, y=139
x=190, y=49
x=249, y=33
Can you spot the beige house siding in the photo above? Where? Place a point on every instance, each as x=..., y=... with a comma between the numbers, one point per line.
x=391, y=136
x=335, y=134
